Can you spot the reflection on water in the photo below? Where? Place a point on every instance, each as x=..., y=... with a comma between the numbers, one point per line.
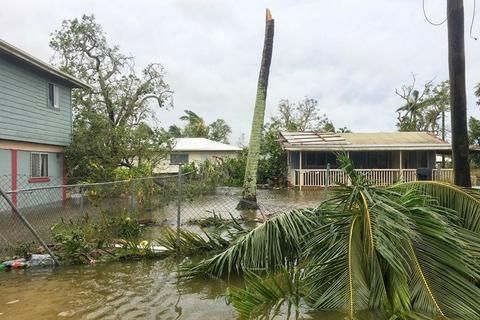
x=133, y=290
x=139, y=290
x=225, y=200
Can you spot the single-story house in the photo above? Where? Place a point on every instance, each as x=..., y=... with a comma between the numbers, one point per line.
x=197, y=150
x=385, y=157
x=35, y=123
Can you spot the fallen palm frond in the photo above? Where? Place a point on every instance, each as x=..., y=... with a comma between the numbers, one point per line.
x=465, y=202
x=190, y=242
x=410, y=251
x=266, y=297
x=276, y=243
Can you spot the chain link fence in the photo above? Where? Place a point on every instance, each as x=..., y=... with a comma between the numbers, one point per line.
x=155, y=201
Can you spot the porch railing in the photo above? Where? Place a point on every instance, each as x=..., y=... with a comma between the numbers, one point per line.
x=379, y=177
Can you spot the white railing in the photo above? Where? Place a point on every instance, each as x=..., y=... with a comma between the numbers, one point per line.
x=408, y=175
x=379, y=177
x=445, y=175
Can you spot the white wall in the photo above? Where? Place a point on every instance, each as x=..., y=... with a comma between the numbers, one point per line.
x=197, y=157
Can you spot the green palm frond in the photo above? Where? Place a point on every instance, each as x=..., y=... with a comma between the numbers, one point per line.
x=442, y=267
x=414, y=241
x=191, y=242
x=410, y=251
x=266, y=297
x=277, y=243
x=465, y=202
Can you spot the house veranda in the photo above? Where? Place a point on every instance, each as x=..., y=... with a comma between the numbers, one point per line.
x=385, y=158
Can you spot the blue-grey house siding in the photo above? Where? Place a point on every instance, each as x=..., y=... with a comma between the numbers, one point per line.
x=28, y=125
x=24, y=107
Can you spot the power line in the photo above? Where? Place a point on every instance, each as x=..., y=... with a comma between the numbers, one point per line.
x=430, y=21
x=473, y=19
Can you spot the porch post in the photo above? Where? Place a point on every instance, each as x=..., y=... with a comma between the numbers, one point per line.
x=289, y=169
x=401, y=165
x=349, y=182
x=301, y=173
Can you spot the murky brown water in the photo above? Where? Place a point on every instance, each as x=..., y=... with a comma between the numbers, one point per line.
x=130, y=290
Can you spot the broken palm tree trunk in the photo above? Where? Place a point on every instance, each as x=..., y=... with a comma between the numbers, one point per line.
x=249, y=199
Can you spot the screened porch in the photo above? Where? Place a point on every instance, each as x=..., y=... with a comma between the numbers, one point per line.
x=319, y=168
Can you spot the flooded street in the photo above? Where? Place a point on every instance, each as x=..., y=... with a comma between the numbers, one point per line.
x=133, y=290
x=139, y=289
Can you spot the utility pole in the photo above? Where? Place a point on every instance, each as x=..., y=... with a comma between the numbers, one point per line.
x=458, y=100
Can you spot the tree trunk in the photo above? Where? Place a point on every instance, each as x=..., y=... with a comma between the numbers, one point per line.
x=458, y=100
x=249, y=199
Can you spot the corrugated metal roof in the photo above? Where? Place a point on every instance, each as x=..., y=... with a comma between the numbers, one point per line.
x=202, y=144
x=16, y=53
x=362, y=141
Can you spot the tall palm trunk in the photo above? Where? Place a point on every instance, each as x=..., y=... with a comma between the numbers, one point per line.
x=458, y=100
x=249, y=199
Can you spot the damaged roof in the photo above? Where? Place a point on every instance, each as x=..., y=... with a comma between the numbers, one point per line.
x=321, y=141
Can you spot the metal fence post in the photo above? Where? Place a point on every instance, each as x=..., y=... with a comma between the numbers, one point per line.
x=179, y=205
x=132, y=198
x=81, y=200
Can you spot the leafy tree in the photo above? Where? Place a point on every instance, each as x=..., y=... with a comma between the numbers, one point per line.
x=195, y=126
x=474, y=131
x=272, y=164
x=175, y=131
x=234, y=169
x=408, y=251
x=328, y=127
x=300, y=116
x=219, y=130
x=424, y=109
x=110, y=125
x=303, y=115
x=343, y=130
x=474, y=138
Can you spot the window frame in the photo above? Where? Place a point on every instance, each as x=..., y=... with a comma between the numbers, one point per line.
x=43, y=176
x=178, y=155
x=56, y=96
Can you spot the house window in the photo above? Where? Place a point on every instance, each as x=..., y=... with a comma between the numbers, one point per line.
x=53, y=96
x=179, y=158
x=38, y=165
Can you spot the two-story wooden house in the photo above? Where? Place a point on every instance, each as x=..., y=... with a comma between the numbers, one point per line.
x=35, y=120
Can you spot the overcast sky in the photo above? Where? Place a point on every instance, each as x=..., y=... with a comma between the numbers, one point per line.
x=350, y=55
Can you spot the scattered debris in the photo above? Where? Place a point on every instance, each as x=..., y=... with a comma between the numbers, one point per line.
x=35, y=260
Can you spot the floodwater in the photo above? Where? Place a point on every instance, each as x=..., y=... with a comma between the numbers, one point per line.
x=132, y=290
x=129, y=290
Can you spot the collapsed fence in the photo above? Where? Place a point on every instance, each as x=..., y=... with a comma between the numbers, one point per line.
x=153, y=200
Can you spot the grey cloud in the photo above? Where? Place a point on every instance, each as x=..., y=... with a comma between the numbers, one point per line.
x=349, y=55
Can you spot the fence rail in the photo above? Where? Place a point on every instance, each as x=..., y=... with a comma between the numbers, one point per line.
x=380, y=177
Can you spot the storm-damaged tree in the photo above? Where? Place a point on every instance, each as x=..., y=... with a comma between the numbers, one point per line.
x=111, y=121
x=196, y=127
x=424, y=108
x=249, y=199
